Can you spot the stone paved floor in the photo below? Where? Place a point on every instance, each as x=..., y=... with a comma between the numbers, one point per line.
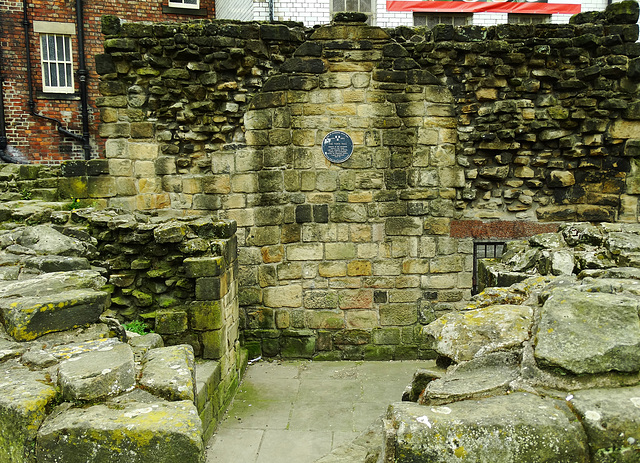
x=298, y=411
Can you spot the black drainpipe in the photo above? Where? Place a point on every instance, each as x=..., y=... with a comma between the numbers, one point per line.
x=82, y=72
x=3, y=130
x=83, y=75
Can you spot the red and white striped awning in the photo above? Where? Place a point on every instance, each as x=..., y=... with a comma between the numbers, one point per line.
x=473, y=6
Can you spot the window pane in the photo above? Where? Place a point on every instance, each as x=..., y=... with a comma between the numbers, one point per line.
x=338, y=5
x=62, y=75
x=54, y=76
x=43, y=47
x=45, y=75
x=365, y=6
x=68, y=73
x=52, y=47
x=352, y=5
x=191, y=2
x=60, y=47
x=67, y=48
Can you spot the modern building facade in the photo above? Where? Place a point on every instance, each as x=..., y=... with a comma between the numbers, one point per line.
x=387, y=13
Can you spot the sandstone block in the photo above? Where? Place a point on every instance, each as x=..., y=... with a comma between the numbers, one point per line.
x=136, y=432
x=493, y=430
x=27, y=318
x=361, y=319
x=169, y=372
x=355, y=299
x=567, y=336
x=283, y=296
x=23, y=404
x=325, y=319
x=465, y=335
x=97, y=374
x=171, y=321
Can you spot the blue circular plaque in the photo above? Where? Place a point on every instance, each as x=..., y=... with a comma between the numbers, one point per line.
x=337, y=146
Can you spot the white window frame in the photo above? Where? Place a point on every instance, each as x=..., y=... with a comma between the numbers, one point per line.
x=182, y=4
x=360, y=8
x=528, y=19
x=57, y=37
x=451, y=19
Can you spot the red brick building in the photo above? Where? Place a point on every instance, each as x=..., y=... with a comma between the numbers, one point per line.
x=43, y=115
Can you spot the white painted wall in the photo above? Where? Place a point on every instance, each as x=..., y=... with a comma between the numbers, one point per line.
x=318, y=12
x=241, y=10
x=309, y=13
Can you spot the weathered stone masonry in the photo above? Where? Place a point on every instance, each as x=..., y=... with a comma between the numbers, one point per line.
x=516, y=124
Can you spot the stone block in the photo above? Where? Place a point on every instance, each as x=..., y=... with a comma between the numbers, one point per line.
x=298, y=347
x=169, y=373
x=320, y=299
x=171, y=321
x=101, y=187
x=27, y=318
x=212, y=288
x=305, y=251
x=398, y=314
x=361, y=319
x=196, y=267
x=325, y=319
x=162, y=432
x=386, y=336
x=264, y=236
x=121, y=167
x=74, y=187
x=283, y=296
x=355, y=299
x=340, y=251
x=359, y=268
x=23, y=404
x=97, y=374
x=214, y=344
x=395, y=226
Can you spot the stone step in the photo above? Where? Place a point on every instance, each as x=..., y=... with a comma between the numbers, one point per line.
x=27, y=318
x=23, y=403
x=135, y=432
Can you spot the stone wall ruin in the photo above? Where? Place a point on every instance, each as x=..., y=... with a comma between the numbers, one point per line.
x=455, y=130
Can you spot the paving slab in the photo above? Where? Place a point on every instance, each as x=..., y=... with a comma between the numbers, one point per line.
x=302, y=410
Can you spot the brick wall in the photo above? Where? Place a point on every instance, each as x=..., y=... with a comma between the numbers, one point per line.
x=34, y=137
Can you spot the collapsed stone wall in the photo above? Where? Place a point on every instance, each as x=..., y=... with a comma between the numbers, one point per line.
x=69, y=279
x=451, y=126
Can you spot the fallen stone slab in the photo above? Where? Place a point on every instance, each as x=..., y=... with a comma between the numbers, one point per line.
x=142, y=343
x=52, y=283
x=57, y=263
x=169, y=372
x=482, y=377
x=27, y=318
x=464, y=335
x=514, y=428
x=621, y=242
x=23, y=403
x=585, y=332
x=610, y=285
x=97, y=374
x=631, y=273
x=133, y=432
x=45, y=240
x=611, y=419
